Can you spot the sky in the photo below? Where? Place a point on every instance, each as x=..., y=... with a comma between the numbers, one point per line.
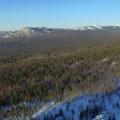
x=16, y=14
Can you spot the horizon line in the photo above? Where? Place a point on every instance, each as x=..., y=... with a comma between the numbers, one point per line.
x=72, y=27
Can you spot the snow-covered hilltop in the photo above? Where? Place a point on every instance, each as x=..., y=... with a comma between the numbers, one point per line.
x=36, y=31
x=87, y=107
x=92, y=27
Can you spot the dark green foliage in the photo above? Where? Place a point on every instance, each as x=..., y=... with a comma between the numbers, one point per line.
x=54, y=76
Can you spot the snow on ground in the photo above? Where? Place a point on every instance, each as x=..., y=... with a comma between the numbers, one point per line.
x=105, y=60
x=88, y=107
x=46, y=107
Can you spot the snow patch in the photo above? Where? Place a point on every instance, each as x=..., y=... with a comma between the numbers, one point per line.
x=43, y=109
x=105, y=60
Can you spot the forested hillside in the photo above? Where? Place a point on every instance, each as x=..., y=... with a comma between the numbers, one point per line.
x=69, y=67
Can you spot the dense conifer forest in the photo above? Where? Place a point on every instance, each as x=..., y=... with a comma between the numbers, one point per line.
x=61, y=71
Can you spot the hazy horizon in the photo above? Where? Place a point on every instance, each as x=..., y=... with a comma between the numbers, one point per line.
x=72, y=27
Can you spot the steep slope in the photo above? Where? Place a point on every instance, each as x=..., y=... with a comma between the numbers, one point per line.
x=87, y=107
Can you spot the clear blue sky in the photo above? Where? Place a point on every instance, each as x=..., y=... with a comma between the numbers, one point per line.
x=15, y=14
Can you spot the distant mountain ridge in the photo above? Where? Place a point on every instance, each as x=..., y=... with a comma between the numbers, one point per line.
x=36, y=31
